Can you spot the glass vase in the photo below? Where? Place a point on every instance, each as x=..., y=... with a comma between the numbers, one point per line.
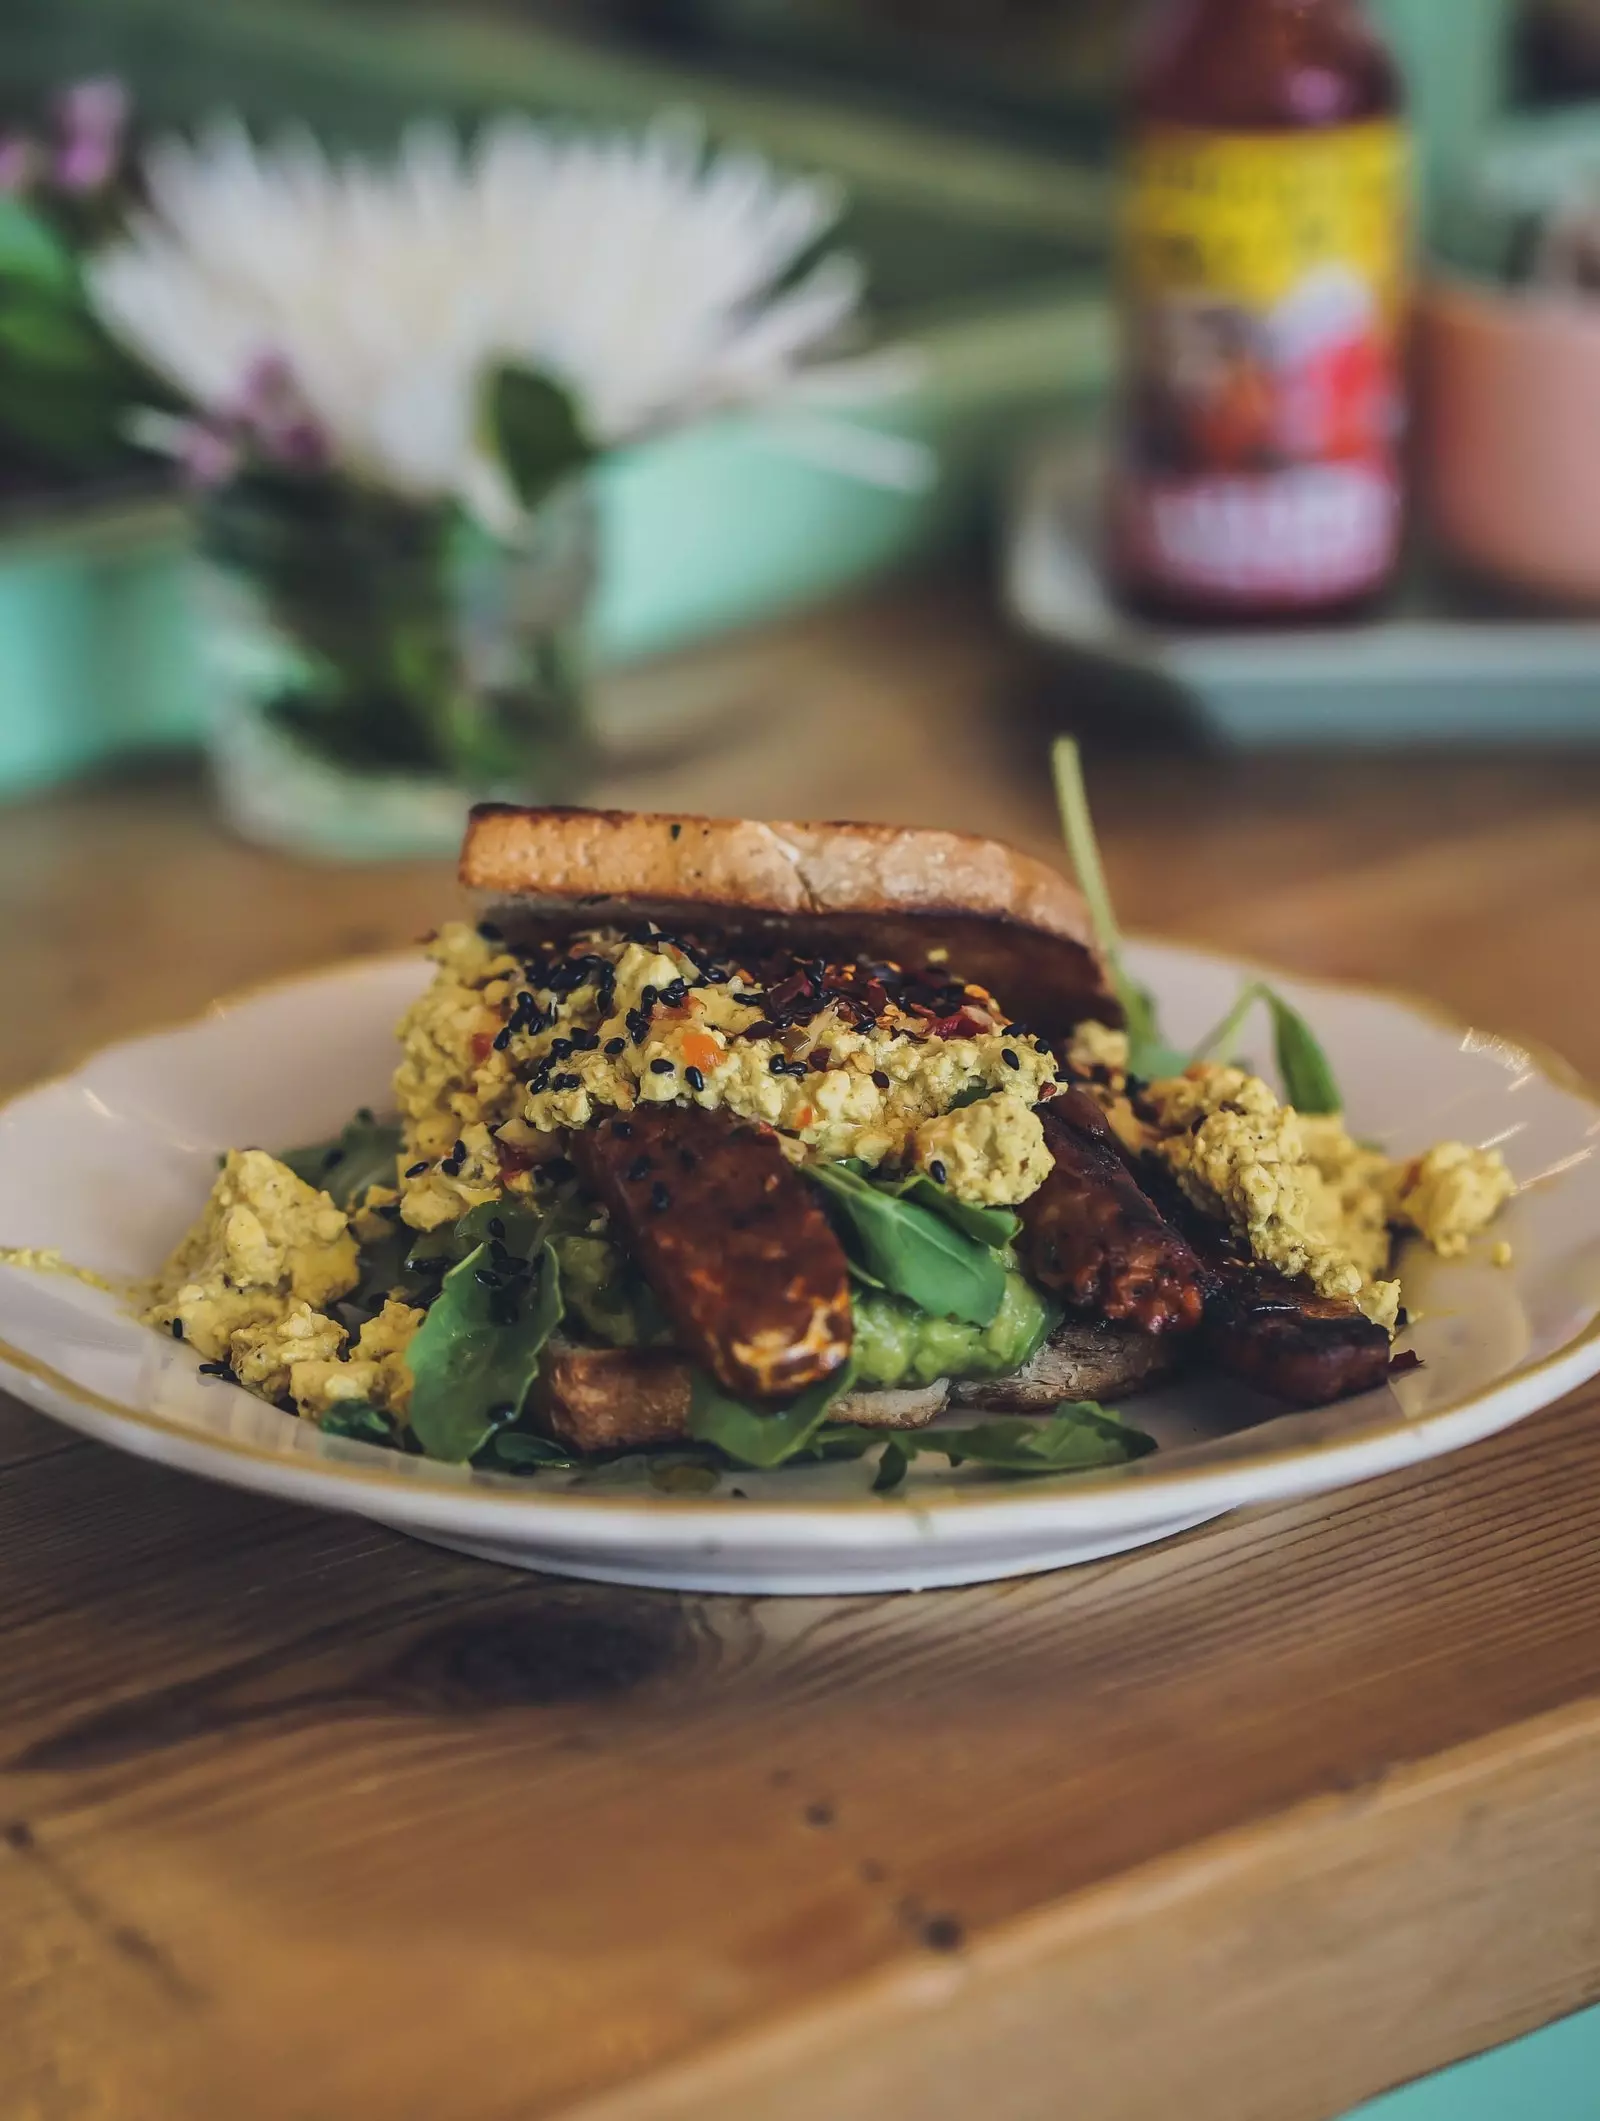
x=377, y=666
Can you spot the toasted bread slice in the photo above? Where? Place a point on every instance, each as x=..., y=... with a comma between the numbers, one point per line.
x=624, y=1399
x=985, y=911
x=1080, y=1360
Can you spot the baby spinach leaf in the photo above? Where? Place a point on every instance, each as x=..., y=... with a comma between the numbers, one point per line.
x=354, y=1417
x=517, y=1451
x=470, y=1373
x=751, y=1437
x=1079, y=1437
x=985, y=1226
x=1149, y=1054
x=914, y=1252
x=1303, y=1069
x=363, y=1155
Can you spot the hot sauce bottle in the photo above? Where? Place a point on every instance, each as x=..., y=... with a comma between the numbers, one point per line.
x=1263, y=249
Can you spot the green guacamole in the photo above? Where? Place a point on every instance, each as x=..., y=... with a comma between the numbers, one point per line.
x=896, y=1344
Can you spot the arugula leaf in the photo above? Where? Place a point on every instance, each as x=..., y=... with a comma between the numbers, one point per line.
x=363, y=1155
x=985, y=1226
x=1149, y=1054
x=914, y=1252
x=1080, y=1437
x=752, y=1438
x=518, y=1451
x=1303, y=1069
x=466, y=1369
x=354, y=1417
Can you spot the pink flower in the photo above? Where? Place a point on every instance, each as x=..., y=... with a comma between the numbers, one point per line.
x=92, y=117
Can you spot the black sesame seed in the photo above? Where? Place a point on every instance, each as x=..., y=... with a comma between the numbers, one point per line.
x=459, y=1152
x=486, y=1277
x=566, y=1082
x=675, y=830
x=661, y=1067
x=496, y=1227
x=638, y=1168
x=502, y=1039
x=674, y=996
x=659, y=1197
x=1042, y=1045
x=937, y=1172
x=216, y=1369
x=694, y=1078
x=177, y=1329
x=777, y=1065
x=648, y=997
x=585, y=1041
x=1009, y=1057
x=880, y=1078
x=614, y=1046
x=450, y=1168
x=560, y=1048
x=416, y=1170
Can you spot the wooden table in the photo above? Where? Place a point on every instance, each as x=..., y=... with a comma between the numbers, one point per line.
x=301, y=1820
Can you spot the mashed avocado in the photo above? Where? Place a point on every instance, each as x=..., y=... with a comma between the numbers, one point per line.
x=896, y=1344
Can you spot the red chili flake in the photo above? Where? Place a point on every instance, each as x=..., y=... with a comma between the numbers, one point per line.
x=482, y=1046
x=1407, y=1359
x=961, y=1025
x=512, y=1159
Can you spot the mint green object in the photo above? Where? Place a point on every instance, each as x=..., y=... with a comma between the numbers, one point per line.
x=1553, y=2075
x=715, y=527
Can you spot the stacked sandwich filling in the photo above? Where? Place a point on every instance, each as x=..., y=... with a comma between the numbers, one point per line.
x=652, y=1186
x=503, y=1054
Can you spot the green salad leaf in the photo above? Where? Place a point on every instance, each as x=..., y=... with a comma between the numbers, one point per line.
x=518, y=1451
x=470, y=1365
x=1304, y=1072
x=1080, y=1437
x=1149, y=1054
x=752, y=1437
x=362, y=1155
x=354, y=1417
x=913, y=1250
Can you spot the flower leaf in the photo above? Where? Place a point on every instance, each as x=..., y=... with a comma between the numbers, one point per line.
x=467, y=1368
x=364, y=1154
x=535, y=430
x=913, y=1251
x=753, y=1438
x=985, y=1226
x=1149, y=1054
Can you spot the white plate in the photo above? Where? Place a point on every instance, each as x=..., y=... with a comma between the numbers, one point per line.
x=111, y=1163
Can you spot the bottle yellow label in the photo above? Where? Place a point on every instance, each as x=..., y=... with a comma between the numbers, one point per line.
x=1263, y=282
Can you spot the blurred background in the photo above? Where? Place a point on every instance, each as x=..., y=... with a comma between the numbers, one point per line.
x=975, y=148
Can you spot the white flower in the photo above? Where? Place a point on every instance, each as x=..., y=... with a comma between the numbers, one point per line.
x=653, y=281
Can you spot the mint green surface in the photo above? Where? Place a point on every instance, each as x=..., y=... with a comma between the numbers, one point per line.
x=712, y=528
x=1552, y=2075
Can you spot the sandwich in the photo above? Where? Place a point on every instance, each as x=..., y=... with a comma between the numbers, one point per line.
x=771, y=1141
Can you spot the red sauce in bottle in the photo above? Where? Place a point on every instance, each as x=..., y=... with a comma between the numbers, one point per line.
x=1263, y=286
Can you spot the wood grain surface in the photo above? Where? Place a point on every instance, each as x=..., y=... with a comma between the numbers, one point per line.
x=301, y=1820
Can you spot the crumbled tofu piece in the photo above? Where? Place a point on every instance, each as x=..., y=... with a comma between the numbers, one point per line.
x=1450, y=1194
x=265, y=1242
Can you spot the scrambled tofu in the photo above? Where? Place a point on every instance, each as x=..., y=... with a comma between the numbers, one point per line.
x=483, y=1091
x=250, y=1284
x=1309, y=1198
x=375, y=1371
x=1449, y=1194
x=266, y=1242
